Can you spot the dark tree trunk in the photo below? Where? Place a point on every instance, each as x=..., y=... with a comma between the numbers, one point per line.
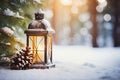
x=93, y=13
x=116, y=30
x=71, y=29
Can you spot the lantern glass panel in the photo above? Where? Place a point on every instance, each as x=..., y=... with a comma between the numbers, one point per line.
x=37, y=47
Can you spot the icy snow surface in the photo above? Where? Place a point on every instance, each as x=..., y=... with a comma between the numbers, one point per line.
x=73, y=63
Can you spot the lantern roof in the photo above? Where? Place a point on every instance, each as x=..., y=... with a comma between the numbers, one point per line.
x=40, y=23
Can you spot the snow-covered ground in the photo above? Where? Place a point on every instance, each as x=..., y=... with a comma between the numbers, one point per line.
x=73, y=63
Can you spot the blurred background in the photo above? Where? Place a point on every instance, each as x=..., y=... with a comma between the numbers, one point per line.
x=85, y=22
x=93, y=23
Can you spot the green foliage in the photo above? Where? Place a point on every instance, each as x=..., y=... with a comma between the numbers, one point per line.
x=15, y=15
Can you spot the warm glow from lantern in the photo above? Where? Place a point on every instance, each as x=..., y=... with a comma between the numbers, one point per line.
x=37, y=48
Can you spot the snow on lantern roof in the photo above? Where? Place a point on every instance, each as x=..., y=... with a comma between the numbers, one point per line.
x=40, y=11
x=40, y=24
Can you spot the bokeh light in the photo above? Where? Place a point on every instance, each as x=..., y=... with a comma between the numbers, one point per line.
x=101, y=1
x=74, y=10
x=107, y=17
x=101, y=5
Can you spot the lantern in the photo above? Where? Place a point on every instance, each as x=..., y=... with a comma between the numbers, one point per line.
x=39, y=39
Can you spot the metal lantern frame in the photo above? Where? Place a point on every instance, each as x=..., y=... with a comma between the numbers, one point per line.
x=47, y=38
x=39, y=32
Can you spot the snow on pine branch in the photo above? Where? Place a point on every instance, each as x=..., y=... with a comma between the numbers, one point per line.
x=9, y=12
x=38, y=1
x=7, y=31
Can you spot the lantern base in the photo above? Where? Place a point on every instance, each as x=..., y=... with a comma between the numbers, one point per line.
x=42, y=66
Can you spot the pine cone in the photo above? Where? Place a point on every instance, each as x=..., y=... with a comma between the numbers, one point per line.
x=22, y=60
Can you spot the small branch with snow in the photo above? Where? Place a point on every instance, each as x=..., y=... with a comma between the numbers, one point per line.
x=38, y=1
x=9, y=12
x=7, y=31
